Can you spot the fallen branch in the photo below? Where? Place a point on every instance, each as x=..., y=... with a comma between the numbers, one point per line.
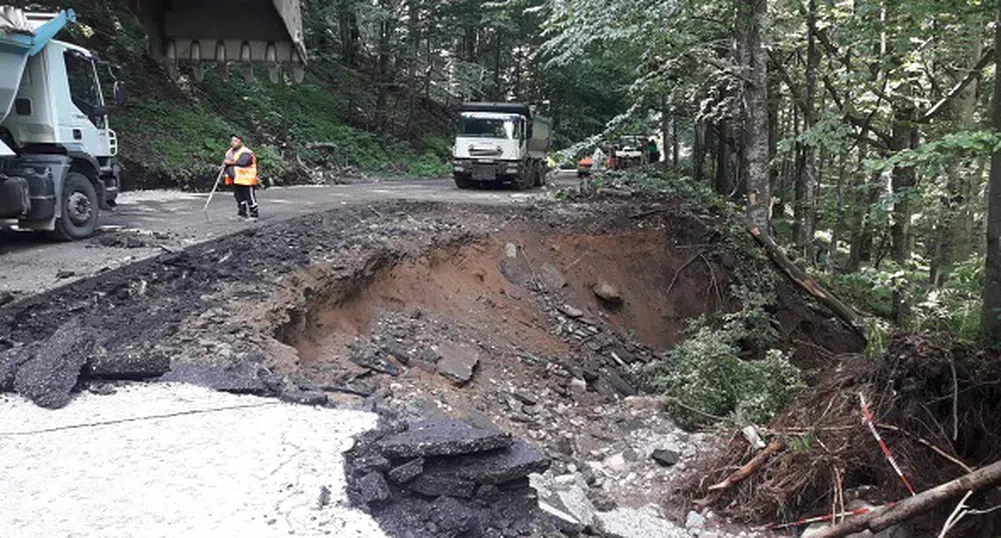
x=935, y=449
x=750, y=467
x=878, y=520
x=807, y=283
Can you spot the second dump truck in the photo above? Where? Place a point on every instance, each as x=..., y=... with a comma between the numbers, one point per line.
x=501, y=143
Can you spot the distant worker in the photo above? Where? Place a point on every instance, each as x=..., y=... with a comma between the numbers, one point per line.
x=241, y=171
x=598, y=158
x=652, y=152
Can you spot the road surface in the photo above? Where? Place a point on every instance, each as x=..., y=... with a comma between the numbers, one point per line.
x=31, y=263
x=158, y=460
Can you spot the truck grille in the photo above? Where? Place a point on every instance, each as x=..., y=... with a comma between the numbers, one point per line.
x=484, y=172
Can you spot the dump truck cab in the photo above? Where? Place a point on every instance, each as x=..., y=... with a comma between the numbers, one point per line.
x=57, y=151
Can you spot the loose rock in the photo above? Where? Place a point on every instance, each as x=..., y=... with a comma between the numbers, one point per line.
x=571, y=312
x=372, y=487
x=128, y=366
x=607, y=292
x=694, y=520
x=665, y=457
x=492, y=467
x=458, y=367
x=240, y=378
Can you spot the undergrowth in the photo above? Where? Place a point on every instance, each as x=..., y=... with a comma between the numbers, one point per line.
x=728, y=365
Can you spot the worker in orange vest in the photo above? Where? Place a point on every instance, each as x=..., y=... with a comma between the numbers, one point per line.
x=241, y=172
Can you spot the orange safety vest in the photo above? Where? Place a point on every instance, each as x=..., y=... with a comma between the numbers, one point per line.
x=245, y=175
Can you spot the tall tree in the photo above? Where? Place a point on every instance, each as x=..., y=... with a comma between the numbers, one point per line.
x=752, y=19
x=992, y=282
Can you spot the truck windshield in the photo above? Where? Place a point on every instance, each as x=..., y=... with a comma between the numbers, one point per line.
x=487, y=127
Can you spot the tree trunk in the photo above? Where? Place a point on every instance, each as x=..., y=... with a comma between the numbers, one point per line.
x=992, y=280
x=498, y=92
x=724, y=180
x=383, y=79
x=675, y=145
x=349, y=32
x=806, y=181
x=956, y=240
x=925, y=502
x=773, y=130
x=665, y=127
x=752, y=19
x=904, y=136
x=698, y=151
x=859, y=211
x=839, y=216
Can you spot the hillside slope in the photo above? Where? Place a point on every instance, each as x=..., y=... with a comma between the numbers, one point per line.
x=174, y=134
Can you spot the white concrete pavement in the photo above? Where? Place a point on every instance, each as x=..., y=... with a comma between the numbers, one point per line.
x=172, y=460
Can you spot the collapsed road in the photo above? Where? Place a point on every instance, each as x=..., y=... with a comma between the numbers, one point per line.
x=522, y=319
x=146, y=223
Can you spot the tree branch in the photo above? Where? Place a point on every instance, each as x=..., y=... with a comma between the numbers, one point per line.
x=797, y=96
x=910, y=507
x=807, y=283
x=864, y=124
x=985, y=59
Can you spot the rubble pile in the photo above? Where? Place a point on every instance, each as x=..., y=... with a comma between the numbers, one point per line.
x=445, y=478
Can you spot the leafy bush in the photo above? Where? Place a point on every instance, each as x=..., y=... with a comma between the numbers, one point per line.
x=428, y=165
x=270, y=165
x=705, y=378
x=956, y=306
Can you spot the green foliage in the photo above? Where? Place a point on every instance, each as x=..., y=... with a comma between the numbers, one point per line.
x=429, y=165
x=270, y=165
x=876, y=340
x=802, y=443
x=944, y=152
x=705, y=377
x=956, y=306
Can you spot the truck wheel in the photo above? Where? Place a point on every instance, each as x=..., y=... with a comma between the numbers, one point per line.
x=526, y=180
x=463, y=183
x=78, y=218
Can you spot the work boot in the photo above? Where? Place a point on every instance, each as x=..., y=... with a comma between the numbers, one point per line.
x=253, y=213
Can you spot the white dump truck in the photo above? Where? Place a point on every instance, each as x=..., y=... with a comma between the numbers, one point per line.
x=501, y=142
x=57, y=151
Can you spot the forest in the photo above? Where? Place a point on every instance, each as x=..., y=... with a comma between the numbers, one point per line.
x=857, y=132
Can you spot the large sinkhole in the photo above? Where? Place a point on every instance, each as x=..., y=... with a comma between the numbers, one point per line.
x=518, y=292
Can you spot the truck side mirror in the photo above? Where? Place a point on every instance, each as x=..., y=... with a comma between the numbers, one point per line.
x=119, y=93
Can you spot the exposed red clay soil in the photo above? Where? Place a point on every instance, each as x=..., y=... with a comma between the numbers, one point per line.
x=479, y=286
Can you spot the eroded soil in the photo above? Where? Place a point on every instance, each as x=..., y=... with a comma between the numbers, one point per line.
x=488, y=314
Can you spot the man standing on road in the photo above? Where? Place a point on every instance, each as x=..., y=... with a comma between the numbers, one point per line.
x=241, y=171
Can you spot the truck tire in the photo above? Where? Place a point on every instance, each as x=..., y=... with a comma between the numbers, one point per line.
x=526, y=180
x=463, y=183
x=78, y=217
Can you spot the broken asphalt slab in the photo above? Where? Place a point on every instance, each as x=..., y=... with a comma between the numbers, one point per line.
x=50, y=371
x=442, y=438
x=492, y=467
